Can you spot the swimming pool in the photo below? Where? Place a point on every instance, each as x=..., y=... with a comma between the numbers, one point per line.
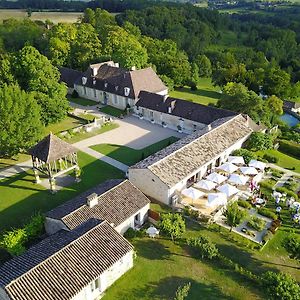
x=289, y=119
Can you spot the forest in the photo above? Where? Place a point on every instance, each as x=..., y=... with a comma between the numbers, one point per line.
x=248, y=57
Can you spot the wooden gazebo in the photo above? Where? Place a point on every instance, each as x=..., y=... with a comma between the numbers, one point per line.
x=53, y=157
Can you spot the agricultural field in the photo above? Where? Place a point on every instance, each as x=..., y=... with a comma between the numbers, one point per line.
x=55, y=17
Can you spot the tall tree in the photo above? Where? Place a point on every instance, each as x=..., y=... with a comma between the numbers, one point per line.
x=20, y=125
x=35, y=73
x=234, y=215
x=204, y=65
x=173, y=225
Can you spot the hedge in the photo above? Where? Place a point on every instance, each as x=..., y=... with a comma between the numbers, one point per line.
x=244, y=203
x=290, y=148
x=287, y=191
x=267, y=213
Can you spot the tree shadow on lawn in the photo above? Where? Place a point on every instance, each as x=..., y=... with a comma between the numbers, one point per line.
x=166, y=289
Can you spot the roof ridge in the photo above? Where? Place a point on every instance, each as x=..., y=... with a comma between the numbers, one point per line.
x=60, y=250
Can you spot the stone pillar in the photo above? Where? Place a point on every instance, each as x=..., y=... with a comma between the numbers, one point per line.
x=36, y=175
x=52, y=185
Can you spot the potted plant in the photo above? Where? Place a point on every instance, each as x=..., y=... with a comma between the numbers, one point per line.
x=152, y=121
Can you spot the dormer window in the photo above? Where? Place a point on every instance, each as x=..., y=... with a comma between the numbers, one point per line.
x=126, y=91
x=84, y=80
x=92, y=200
x=105, y=85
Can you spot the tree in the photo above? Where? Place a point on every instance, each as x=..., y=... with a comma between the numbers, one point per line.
x=125, y=48
x=6, y=75
x=204, y=246
x=260, y=141
x=275, y=106
x=182, y=291
x=234, y=215
x=204, y=65
x=292, y=244
x=173, y=225
x=168, y=82
x=35, y=73
x=20, y=125
x=194, y=80
x=281, y=286
x=246, y=154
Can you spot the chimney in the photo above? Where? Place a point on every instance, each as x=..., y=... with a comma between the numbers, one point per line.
x=126, y=91
x=92, y=200
x=95, y=71
x=84, y=80
x=165, y=97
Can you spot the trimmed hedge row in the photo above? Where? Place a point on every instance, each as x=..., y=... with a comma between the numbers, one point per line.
x=290, y=148
x=267, y=213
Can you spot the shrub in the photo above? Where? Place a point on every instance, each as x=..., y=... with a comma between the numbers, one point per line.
x=75, y=94
x=234, y=215
x=267, y=185
x=270, y=158
x=256, y=223
x=130, y=233
x=292, y=245
x=244, y=203
x=194, y=214
x=260, y=141
x=280, y=286
x=173, y=225
x=204, y=246
x=268, y=235
x=267, y=213
x=288, y=192
x=35, y=227
x=276, y=173
x=246, y=154
x=182, y=291
x=13, y=241
x=290, y=148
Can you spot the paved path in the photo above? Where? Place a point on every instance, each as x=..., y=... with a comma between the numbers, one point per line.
x=288, y=172
x=132, y=132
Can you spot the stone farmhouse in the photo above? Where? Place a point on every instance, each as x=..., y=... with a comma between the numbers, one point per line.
x=177, y=114
x=181, y=164
x=108, y=84
x=117, y=201
x=77, y=264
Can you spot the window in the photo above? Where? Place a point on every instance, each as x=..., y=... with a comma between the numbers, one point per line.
x=115, y=99
x=95, y=285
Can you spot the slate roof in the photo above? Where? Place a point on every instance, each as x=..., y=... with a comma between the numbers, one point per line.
x=114, y=80
x=69, y=76
x=182, y=108
x=118, y=200
x=290, y=104
x=179, y=160
x=60, y=266
x=51, y=148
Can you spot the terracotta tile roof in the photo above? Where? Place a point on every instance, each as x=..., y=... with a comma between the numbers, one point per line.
x=61, y=265
x=114, y=80
x=51, y=148
x=185, y=156
x=117, y=201
x=181, y=108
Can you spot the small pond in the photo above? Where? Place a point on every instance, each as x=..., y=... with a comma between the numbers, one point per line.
x=289, y=119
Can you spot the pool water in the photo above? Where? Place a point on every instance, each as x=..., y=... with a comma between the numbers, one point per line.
x=289, y=119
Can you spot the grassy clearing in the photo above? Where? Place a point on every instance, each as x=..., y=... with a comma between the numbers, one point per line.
x=131, y=156
x=205, y=94
x=87, y=117
x=21, y=197
x=284, y=160
x=8, y=162
x=82, y=101
x=110, y=110
x=65, y=124
x=55, y=17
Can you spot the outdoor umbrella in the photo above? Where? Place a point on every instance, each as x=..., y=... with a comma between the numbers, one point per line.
x=228, y=189
x=205, y=185
x=257, y=164
x=238, y=179
x=228, y=167
x=248, y=170
x=215, y=177
x=152, y=231
x=238, y=160
x=192, y=193
x=295, y=205
x=214, y=199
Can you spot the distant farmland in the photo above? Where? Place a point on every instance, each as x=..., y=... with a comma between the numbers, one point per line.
x=55, y=17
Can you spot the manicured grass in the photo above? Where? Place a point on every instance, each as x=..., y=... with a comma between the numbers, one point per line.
x=85, y=135
x=205, y=94
x=110, y=110
x=8, y=162
x=87, y=117
x=55, y=17
x=65, y=124
x=82, y=101
x=161, y=266
x=131, y=156
x=284, y=160
x=21, y=197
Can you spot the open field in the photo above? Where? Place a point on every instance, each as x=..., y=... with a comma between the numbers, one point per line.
x=205, y=94
x=55, y=17
x=21, y=197
x=131, y=156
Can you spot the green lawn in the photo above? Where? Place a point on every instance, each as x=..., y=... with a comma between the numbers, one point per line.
x=110, y=110
x=82, y=101
x=131, y=156
x=7, y=162
x=21, y=197
x=205, y=94
x=284, y=160
x=65, y=124
x=87, y=117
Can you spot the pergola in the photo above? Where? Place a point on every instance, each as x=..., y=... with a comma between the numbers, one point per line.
x=53, y=157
